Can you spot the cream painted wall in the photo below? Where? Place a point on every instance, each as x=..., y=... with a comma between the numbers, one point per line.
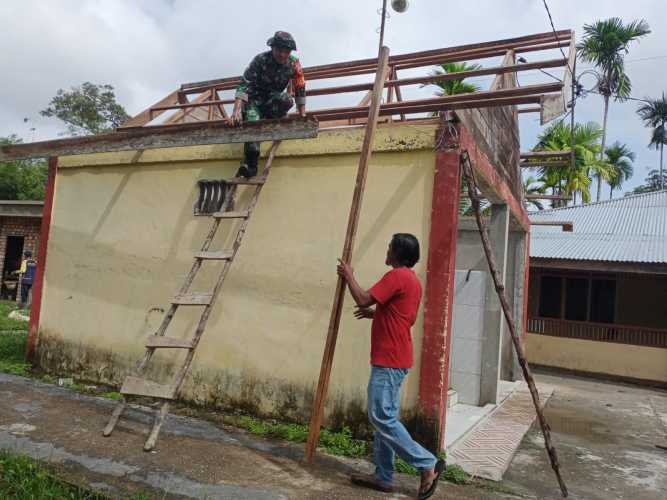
x=122, y=239
x=639, y=362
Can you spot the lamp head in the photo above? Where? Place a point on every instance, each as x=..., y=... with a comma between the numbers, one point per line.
x=399, y=5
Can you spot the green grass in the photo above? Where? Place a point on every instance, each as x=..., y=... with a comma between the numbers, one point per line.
x=22, y=478
x=453, y=473
x=334, y=442
x=10, y=325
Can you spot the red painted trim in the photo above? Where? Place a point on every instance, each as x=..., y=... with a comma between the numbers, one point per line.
x=439, y=293
x=484, y=168
x=38, y=287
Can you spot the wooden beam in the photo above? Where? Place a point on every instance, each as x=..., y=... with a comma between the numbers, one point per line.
x=531, y=109
x=183, y=113
x=529, y=155
x=353, y=220
x=545, y=163
x=540, y=41
x=548, y=197
x=568, y=226
x=166, y=136
x=422, y=80
x=146, y=116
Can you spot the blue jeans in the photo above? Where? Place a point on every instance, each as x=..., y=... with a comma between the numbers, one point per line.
x=391, y=437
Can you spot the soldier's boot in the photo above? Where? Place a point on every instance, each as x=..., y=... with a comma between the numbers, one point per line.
x=248, y=166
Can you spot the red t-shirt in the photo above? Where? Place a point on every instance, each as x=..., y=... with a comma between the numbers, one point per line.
x=397, y=294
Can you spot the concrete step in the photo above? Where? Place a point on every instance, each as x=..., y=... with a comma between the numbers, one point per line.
x=452, y=398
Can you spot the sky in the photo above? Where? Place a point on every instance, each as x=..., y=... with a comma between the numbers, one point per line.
x=147, y=48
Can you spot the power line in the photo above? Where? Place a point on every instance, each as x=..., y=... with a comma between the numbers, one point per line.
x=629, y=98
x=553, y=28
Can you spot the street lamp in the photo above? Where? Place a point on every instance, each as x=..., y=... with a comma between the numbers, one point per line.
x=399, y=6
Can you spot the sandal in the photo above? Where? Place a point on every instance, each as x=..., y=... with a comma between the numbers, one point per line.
x=438, y=469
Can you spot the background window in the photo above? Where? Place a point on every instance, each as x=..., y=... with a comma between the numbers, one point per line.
x=550, y=296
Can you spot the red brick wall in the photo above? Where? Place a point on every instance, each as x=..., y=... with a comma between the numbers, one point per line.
x=28, y=227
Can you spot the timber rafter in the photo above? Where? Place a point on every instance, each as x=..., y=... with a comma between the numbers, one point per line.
x=199, y=107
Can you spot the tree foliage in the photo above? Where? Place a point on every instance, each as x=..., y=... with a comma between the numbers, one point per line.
x=87, y=109
x=568, y=181
x=605, y=45
x=619, y=158
x=651, y=183
x=22, y=179
x=457, y=86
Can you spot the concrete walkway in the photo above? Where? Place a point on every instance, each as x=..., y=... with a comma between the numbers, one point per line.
x=605, y=435
x=193, y=458
x=487, y=450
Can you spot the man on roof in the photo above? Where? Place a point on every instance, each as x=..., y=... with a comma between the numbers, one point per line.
x=263, y=92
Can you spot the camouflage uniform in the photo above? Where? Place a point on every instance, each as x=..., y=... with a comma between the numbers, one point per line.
x=262, y=90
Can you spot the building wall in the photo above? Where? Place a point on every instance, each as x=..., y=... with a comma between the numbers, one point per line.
x=123, y=235
x=621, y=360
x=28, y=227
x=640, y=300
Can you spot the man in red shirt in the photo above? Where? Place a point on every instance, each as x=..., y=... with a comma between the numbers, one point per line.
x=396, y=299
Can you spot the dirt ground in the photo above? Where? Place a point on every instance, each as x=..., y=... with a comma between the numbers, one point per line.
x=605, y=434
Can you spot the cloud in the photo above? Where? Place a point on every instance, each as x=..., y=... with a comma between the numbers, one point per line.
x=147, y=48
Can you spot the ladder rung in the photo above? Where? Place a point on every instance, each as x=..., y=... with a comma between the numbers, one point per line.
x=226, y=255
x=193, y=299
x=231, y=215
x=136, y=386
x=168, y=342
x=255, y=181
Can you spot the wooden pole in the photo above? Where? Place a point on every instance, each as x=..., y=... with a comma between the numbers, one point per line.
x=384, y=18
x=500, y=289
x=334, y=321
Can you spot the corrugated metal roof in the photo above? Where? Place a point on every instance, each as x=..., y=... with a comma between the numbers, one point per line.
x=628, y=229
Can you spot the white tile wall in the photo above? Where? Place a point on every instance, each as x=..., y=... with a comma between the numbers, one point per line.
x=467, y=335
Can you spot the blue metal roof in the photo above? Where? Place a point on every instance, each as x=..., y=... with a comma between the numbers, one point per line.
x=628, y=229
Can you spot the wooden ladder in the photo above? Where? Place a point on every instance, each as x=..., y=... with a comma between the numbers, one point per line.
x=136, y=385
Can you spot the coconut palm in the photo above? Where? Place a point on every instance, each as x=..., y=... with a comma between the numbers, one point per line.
x=568, y=181
x=605, y=45
x=453, y=87
x=531, y=185
x=619, y=158
x=654, y=114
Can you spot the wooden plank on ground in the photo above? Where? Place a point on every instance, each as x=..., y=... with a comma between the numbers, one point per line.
x=317, y=411
x=169, y=136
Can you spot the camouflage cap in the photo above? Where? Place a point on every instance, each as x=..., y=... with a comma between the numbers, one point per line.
x=282, y=39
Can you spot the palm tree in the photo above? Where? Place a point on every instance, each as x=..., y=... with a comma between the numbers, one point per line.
x=620, y=160
x=654, y=114
x=453, y=87
x=568, y=181
x=531, y=186
x=605, y=45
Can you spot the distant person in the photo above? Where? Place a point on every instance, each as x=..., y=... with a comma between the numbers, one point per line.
x=261, y=93
x=396, y=299
x=27, y=275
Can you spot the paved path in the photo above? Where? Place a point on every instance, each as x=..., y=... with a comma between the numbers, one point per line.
x=605, y=435
x=489, y=448
x=193, y=458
